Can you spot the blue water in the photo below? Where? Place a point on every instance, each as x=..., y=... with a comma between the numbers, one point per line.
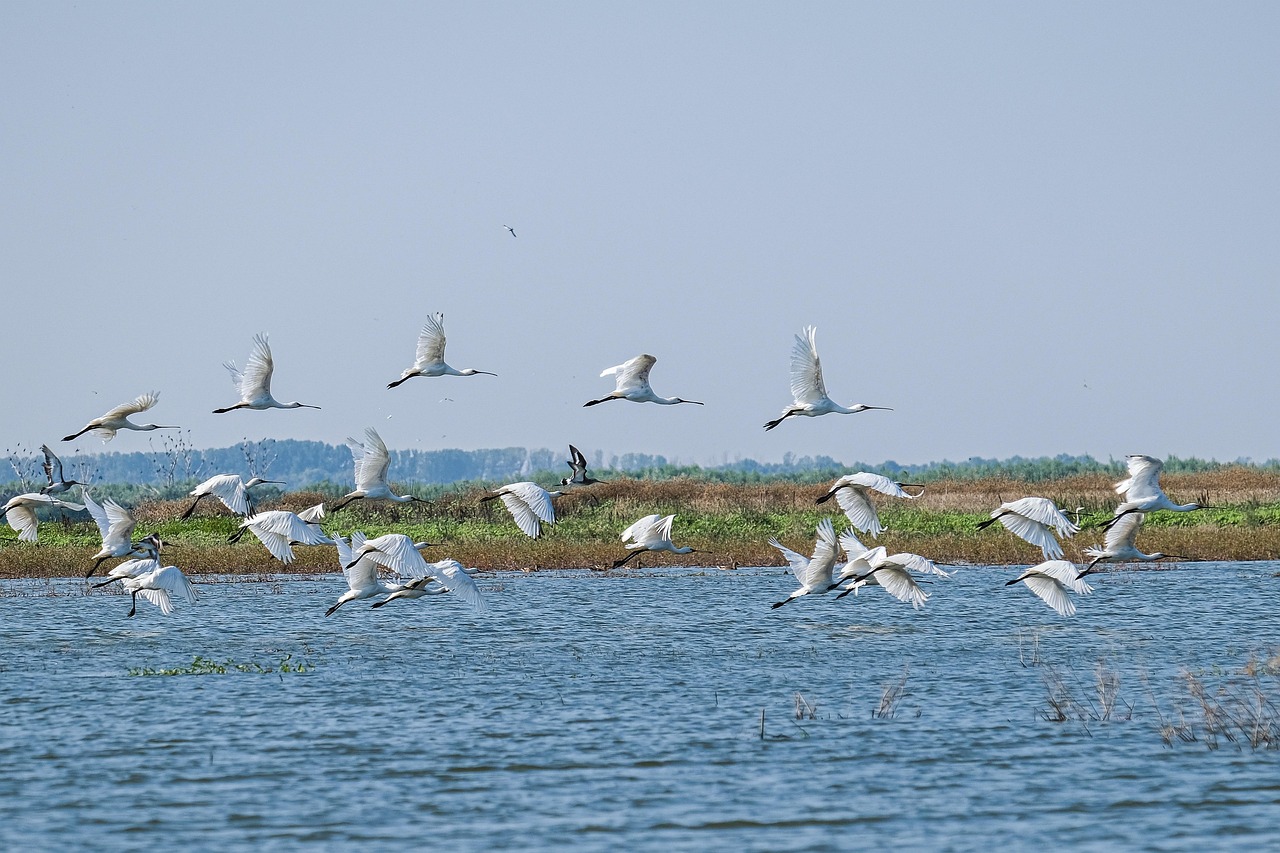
x=624, y=712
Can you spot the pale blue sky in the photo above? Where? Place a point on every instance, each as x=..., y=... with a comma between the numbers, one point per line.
x=1031, y=228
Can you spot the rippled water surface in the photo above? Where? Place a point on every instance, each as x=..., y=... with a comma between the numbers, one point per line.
x=624, y=712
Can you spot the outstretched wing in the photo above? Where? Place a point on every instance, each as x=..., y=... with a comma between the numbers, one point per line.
x=52, y=465
x=859, y=510
x=806, y=370
x=1143, y=480
x=525, y=516
x=454, y=577
x=430, y=342
x=639, y=530
x=255, y=380
x=371, y=460
x=1051, y=592
x=538, y=499
x=799, y=563
x=139, y=404
x=632, y=374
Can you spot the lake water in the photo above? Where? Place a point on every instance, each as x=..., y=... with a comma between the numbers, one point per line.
x=624, y=712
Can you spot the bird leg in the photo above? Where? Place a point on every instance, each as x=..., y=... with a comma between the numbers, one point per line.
x=133, y=606
x=620, y=563
x=94, y=567
x=105, y=583
x=190, y=509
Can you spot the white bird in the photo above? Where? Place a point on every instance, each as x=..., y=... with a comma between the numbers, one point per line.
x=429, y=360
x=632, y=383
x=578, y=465
x=402, y=555
x=158, y=586
x=372, y=460
x=852, y=494
x=529, y=504
x=1120, y=546
x=280, y=529
x=892, y=572
x=807, y=387
x=254, y=382
x=118, y=418
x=20, y=512
x=651, y=533
x=53, y=473
x=228, y=488
x=1051, y=581
x=1142, y=493
x=814, y=573
x=360, y=572
x=442, y=577
x=1030, y=519
x=116, y=524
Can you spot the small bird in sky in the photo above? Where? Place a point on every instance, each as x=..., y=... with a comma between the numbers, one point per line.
x=509, y=228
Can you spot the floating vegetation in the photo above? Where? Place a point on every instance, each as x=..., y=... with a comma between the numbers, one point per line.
x=201, y=665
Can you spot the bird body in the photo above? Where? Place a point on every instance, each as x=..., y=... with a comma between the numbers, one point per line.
x=440, y=578
x=53, y=473
x=631, y=382
x=253, y=384
x=529, y=504
x=279, y=530
x=578, y=465
x=1051, y=581
x=1034, y=520
x=117, y=419
x=1120, y=546
x=361, y=572
x=116, y=524
x=651, y=533
x=852, y=494
x=20, y=512
x=814, y=573
x=371, y=462
x=892, y=572
x=429, y=359
x=230, y=489
x=807, y=388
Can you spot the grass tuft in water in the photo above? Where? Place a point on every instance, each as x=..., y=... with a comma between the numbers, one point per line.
x=201, y=665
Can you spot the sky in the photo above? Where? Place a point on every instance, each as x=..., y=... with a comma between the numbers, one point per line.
x=1029, y=228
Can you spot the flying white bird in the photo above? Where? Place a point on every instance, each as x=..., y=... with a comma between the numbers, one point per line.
x=1051, y=581
x=53, y=473
x=360, y=572
x=254, y=382
x=578, y=465
x=1119, y=546
x=228, y=488
x=807, y=386
x=632, y=383
x=852, y=493
x=814, y=573
x=529, y=504
x=144, y=576
x=280, y=529
x=1142, y=493
x=402, y=555
x=429, y=360
x=118, y=418
x=146, y=556
x=892, y=572
x=20, y=511
x=651, y=533
x=1030, y=519
x=372, y=460
x=116, y=526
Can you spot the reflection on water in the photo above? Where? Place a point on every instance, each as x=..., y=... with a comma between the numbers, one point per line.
x=624, y=712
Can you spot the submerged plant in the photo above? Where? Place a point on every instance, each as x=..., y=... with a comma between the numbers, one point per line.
x=201, y=665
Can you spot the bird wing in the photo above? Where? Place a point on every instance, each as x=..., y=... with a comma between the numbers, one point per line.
x=538, y=499
x=916, y=563
x=1034, y=532
x=899, y=583
x=276, y=543
x=99, y=516
x=454, y=577
x=255, y=379
x=159, y=597
x=862, y=564
x=853, y=548
x=396, y=552
x=138, y=404
x=638, y=531
x=662, y=530
x=1143, y=480
x=579, y=461
x=1051, y=591
x=799, y=563
x=859, y=509
x=878, y=482
x=120, y=524
x=1125, y=531
x=313, y=513
x=430, y=342
x=52, y=465
x=371, y=460
x=344, y=551
x=806, y=370
x=229, y=489
x=172, y=580
x=526, y=518
x=134, y=568
x=818, y=572
x=23, y=519
x=632, y=374
x=1045, y=512
x=1066, y=573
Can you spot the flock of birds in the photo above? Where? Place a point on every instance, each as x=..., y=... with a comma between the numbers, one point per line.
x=364, y=562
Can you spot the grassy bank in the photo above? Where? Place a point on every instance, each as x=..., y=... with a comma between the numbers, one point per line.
x=729, y=525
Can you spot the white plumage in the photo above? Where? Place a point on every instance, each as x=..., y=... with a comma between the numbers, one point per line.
x=808, y=391
x=1035, y=520
x=429, y=360
x=117, y=419
x=631, y=382
x=253, y=384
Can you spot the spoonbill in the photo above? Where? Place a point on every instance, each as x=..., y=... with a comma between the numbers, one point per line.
x=20, y=512
x=360, y=572
x=1142, y=493
x=145, y=557
x=118, y=418
x=441, y=577
x=814, y=573
x=632, y=383
x=1030, y=519
x=254, y=382
x=852, y=494
x=429, y=360
x=892, y=572
x=1051, y=581
x=403, y=556
x=53, y=473
x=372, y=460
x=807, y=386
x=1119, y=545
x=578, y=465
x=228, y=488
x=529, y=504
x=280, y=529
x=116, y=524
x=651, y=533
